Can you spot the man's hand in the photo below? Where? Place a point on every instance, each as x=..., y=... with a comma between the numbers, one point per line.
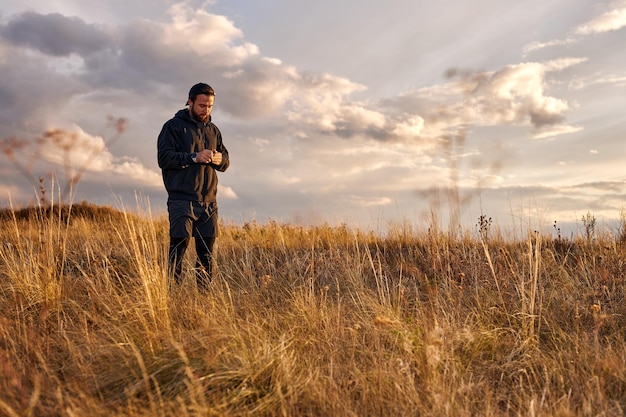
x=204, y=156
x=216, y=158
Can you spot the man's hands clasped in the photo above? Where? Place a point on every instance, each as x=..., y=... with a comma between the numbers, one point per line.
x=208, y=156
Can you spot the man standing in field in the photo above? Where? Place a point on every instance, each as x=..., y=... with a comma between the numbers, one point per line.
x=190, y=151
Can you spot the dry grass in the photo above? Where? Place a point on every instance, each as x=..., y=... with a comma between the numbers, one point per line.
x=322, y=321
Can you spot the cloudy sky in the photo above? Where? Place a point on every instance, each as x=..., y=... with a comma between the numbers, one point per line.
x=367, y=113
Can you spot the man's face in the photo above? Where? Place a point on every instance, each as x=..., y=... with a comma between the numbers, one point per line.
x=201, y=108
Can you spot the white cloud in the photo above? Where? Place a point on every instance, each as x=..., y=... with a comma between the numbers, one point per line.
x=77, y=152
x=552, y=131
x=226, y=192
x=536, y=46
x=206, y=34
x=615, y=80
x=606, y=22
x=362, y=201
x=321, y=101
x=281, y=178
x=260, y=143
x=413, y=126
x=514, y=95
x=563, y=63
x=274, y=61
x=609, y=21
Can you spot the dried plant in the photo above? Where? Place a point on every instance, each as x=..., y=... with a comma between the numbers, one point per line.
x=25, y=154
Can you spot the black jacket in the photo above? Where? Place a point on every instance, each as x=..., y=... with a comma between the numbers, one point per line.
x=180, y=137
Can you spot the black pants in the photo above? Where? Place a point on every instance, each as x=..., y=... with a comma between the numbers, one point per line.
x=198, y=220
x=204, y=261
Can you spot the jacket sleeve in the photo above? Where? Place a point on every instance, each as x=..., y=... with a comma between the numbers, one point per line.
x=222, y=149
x=169, y=154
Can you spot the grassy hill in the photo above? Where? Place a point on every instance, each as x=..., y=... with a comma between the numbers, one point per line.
x=319, y=321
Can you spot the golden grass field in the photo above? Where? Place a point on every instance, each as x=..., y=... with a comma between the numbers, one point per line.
x=308, y=321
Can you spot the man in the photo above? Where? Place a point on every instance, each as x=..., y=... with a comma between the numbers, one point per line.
x=190, y=151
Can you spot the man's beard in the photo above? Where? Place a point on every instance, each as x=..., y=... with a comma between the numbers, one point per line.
x=197, y=117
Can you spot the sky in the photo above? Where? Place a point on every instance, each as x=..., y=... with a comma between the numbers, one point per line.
x=372, y=114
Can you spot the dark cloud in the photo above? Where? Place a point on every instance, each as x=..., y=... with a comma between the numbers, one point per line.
x=541, y=118
x=54, y=34
x=30, y=92
x=138, y=61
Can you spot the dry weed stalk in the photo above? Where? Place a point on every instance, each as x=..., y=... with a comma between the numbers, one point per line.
x=25, y=154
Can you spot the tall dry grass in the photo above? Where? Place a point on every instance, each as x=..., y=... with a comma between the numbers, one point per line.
x=319, y=321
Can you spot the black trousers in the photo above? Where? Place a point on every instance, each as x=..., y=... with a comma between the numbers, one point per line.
x=195, y=219
x=204, y=261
